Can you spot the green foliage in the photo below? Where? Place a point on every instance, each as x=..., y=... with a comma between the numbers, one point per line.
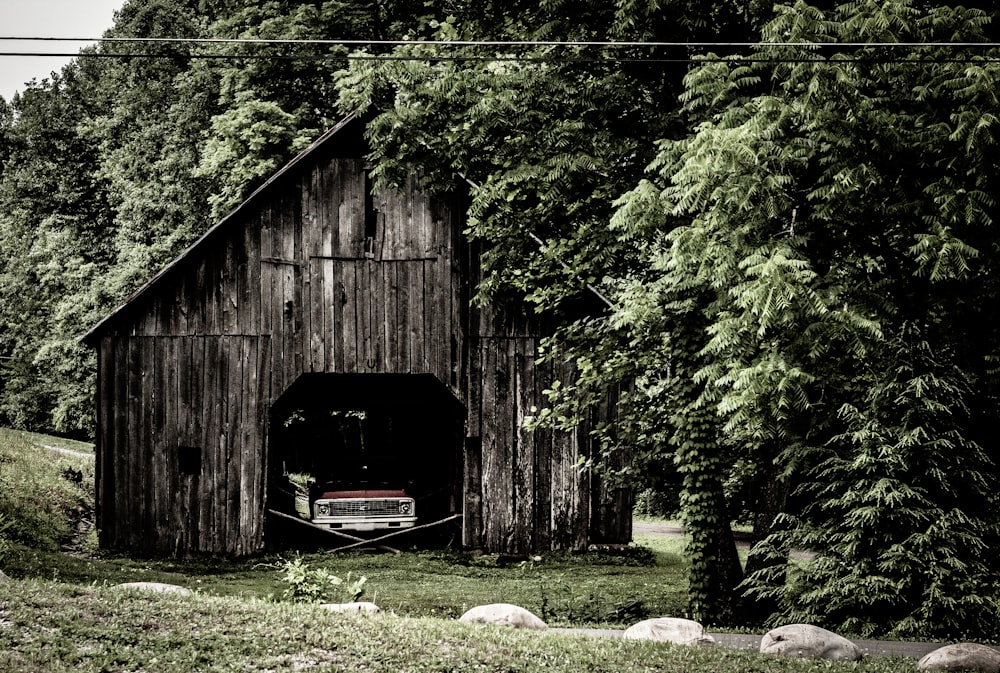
x=842, y=351
x=114, y=166
x=655, y=503
x=248, y=144
x=550, y=138
x=5, y=544
x=900, y=509
x=811, y=200
x=317, y=585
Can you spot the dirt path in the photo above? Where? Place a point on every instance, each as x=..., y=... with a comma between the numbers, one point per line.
x=657, y=529
x=68, y=452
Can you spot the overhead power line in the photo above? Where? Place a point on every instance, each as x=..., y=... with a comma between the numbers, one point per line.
x=892, y=50
x=503, y=43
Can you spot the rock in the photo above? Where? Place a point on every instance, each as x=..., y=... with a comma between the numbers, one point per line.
x=157, y=587
x=3, y=577
x=359, y=606
x=961, y=657
x=669, y=630
x=805, y=641
x=503, y=614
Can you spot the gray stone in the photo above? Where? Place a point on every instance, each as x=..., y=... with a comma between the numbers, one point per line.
x=961, y=657
x=503, y=614
x=158, y=587
x=805, y=641
x=669, y=630
x=358, y=606
x=3, y=577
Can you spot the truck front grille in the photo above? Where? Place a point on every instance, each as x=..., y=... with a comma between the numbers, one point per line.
x=371, y=507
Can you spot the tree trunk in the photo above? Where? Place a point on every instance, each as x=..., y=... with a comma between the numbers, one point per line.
x=715, y=566
x=773, y=492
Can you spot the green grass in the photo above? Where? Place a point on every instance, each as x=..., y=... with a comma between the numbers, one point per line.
x=47, y=626
x=62, y=612
x=40, y=503
x=564, y=589
x=23, y=436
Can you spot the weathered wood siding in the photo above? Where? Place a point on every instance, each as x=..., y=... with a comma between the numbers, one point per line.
x=532, y=493
x=313, y=276
x=181, y=466
x=296, y=284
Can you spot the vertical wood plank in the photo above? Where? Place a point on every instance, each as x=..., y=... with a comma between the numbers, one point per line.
x=498, y=449
x=472, y=487
x=364, y=307
x=147, y=444
x=350, y=297
x=328, y=198
x=107, y=448
x=523, y=464
x=166, y=480
x=390, y=327
x=415, y=311
x=211, y=413
x=236, y=436
x=264, y=398
x=317, y=329
x=399, y=312
x=544, y=468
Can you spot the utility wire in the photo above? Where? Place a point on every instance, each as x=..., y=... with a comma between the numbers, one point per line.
x=361, y=56
x=498, y=58
x=505, y=43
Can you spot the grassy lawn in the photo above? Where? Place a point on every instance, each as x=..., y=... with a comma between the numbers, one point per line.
x=47, y=626
x=62, y=612
x=564, y=589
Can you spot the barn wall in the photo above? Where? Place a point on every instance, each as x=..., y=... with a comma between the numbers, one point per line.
x=531, y=493
x=181, y=438
x=299, y=284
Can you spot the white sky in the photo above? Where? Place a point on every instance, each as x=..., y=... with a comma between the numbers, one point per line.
x=47, y=18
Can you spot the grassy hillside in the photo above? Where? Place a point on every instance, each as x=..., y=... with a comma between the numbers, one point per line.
x=46, y=489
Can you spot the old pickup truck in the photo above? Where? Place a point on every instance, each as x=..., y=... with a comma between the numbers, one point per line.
x=362, y=509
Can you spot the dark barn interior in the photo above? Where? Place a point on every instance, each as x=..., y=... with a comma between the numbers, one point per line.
x=369, y=431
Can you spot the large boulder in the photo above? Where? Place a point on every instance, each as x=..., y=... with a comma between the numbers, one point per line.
x=357, y=606
x=669, y=630
x=961, y=657
x=805, y=641
x=503, y=614
x=156, y=587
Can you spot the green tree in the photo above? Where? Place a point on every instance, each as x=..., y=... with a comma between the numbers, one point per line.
x=808, y=208
x=53, y=230
x=550, y=136
x=836, y=224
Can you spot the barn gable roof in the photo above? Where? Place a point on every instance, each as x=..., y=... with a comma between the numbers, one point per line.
x=348, y=131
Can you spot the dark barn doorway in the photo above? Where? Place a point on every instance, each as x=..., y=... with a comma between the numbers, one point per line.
x=365, y=432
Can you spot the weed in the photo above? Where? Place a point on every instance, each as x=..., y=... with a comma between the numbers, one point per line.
x=313, y=585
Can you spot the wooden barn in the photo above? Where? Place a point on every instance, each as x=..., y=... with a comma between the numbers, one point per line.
x=317, y=299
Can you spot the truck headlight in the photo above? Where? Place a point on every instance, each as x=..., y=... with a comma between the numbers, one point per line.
x=404, y=507
x=323, y=509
